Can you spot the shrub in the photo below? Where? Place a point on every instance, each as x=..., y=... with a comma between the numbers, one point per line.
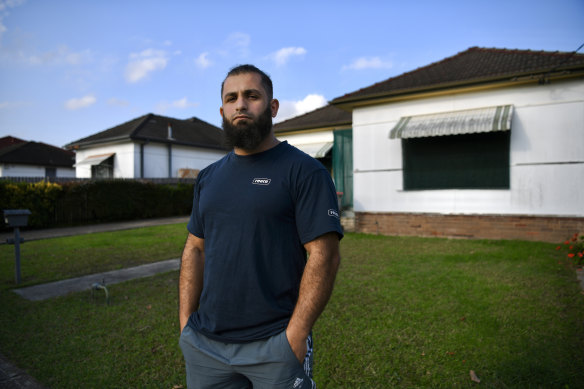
x=575, y=249
x=74, y=203
x=40, y=198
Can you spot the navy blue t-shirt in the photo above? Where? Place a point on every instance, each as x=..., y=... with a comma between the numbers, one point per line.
x=255, y=213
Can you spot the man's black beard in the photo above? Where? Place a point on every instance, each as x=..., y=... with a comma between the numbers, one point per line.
x=248, y=136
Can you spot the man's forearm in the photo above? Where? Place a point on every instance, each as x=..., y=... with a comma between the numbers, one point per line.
x=190, y=284
x=315, y=288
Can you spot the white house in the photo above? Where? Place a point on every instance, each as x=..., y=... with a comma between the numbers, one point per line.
x=150, y=146
x=20, y=158
x=324, y=134
x=488, y=143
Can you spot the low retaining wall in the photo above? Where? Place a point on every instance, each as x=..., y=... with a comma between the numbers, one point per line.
x=536, y=228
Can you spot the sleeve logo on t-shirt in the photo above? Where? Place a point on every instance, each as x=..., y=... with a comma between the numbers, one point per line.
x=261, y=181
x=333, y=213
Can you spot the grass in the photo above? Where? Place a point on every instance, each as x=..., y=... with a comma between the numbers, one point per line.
x=55, y=259
x=406, y=312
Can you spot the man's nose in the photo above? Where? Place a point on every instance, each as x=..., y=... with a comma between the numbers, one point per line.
x=241, y=104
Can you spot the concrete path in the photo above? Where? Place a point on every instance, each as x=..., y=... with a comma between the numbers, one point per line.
x=79, y=284
x=11, y=377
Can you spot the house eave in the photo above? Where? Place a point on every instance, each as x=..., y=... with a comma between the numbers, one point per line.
x=138, y=140
x=348, y=104
x=97, y=142
x=309, y=130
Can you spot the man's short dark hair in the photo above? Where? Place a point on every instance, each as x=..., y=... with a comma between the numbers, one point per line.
x=243, y=69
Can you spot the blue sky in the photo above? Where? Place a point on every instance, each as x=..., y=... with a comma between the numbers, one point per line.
x=69, y=69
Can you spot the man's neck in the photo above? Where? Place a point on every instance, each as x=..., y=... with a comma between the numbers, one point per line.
x=268, y=143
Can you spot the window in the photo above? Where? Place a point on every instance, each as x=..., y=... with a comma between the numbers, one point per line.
x=50, y=172
x=470, y=161
x=466, y=149
x=104, y=169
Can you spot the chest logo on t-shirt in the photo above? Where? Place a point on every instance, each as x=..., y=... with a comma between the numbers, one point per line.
x=261, y=181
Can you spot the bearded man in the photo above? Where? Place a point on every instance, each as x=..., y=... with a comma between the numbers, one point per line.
x=262, y=251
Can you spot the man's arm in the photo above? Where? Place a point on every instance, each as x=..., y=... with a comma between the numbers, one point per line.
x=315, y=289
x=190, y=282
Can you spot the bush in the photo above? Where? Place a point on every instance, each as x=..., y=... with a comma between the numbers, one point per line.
x=40, y=198
x=99, y=201
x=575, y=249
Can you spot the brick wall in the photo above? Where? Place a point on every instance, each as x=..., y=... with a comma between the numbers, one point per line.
x=536, y=228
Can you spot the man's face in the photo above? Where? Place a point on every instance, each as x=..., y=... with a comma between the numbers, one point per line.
x=247, y=113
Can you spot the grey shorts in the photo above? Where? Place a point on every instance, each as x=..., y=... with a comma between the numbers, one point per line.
x=268, y=363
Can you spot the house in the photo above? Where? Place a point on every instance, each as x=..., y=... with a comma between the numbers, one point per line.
x=325, y=134
x=20, y=158
x=151, y=146
x=487, y=143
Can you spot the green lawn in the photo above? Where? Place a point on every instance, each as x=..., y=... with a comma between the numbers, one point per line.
x=406, y=312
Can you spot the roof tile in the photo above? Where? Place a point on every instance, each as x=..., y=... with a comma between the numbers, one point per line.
x=471, y=66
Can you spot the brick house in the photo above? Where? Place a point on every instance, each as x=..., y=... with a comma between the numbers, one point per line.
x=488, y=143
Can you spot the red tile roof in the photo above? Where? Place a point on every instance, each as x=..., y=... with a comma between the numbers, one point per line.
x=473, y=66
x=9, y=141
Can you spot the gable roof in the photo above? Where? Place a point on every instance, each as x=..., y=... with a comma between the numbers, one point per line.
x=327, y=116
x=154, y=128
x=471, y=67
x=35, y=153
x=9, y=141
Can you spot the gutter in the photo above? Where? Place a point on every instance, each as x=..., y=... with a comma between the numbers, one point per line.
x=542, y=77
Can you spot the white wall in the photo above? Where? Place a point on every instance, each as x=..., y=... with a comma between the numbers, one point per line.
x=547, y=158
x=127, y=159
x=193, y=158
x=123, y=159
x=307, y=138
x=65, y=172
x=9, y=170
x=183, y=157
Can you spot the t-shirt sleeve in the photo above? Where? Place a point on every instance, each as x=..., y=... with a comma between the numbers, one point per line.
x=317, y=209
x=195, y=225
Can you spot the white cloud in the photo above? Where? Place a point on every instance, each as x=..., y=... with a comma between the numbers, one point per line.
x=289, y=109
x=183, y=103
x=238, y=42
x=368, y=63
x=12, y=104
x=144, y=63
x=203, y=61
x=283, y=55
x=5, y=6
x=118, y=102
x=83, y=102
x=61, y=55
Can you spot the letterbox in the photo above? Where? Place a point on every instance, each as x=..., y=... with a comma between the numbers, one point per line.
x=16, y=217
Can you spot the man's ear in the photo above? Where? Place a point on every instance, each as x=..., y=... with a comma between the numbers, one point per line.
x=221, y=111
x=274, y=104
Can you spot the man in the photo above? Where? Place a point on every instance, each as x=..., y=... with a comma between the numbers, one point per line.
x=248, y=294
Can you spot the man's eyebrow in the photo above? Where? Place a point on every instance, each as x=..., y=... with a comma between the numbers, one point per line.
x=246, y=92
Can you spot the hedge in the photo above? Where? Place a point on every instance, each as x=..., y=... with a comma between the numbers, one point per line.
x=74, y=203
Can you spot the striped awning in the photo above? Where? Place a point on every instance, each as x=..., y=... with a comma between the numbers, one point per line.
x=315, y=150
x=470, y=121
x=94, y=159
